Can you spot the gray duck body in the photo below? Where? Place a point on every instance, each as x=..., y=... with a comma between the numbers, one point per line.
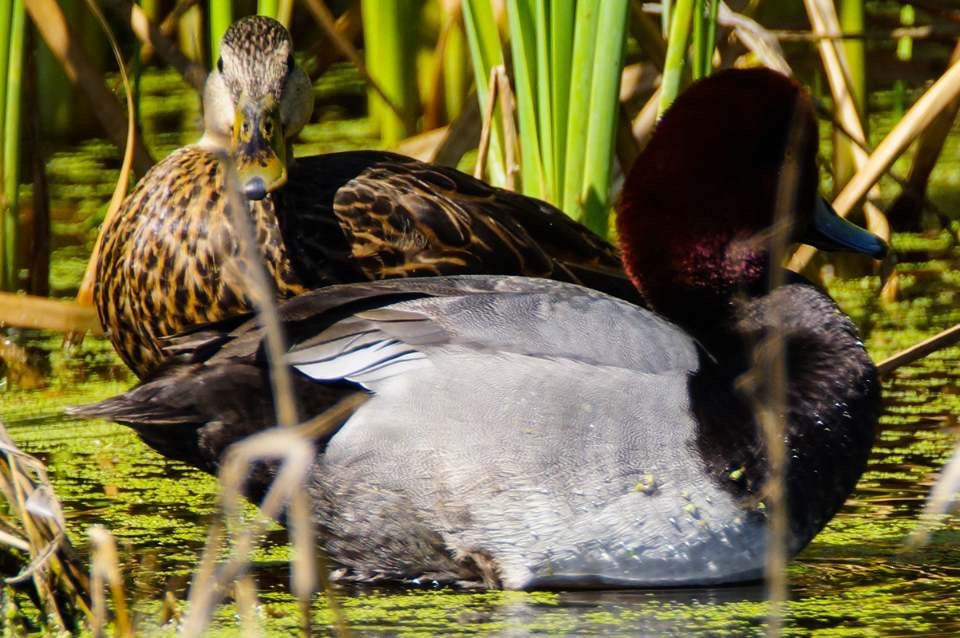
x=527, y=433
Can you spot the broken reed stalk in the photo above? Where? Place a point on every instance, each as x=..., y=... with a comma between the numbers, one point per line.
x=33, y=527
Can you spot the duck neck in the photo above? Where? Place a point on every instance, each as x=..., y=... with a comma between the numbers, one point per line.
x=832, y=403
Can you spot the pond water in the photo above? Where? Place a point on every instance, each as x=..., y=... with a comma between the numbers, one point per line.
x=854, y=579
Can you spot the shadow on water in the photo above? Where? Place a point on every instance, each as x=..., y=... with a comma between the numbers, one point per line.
x=853, y=580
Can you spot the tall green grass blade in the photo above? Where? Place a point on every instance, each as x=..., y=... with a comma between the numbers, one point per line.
x=714, y=8
x=578, y=115
x=456, y=80
x=852, y=21
x=666, y=11
x=699, y=39
x=269, y=8
x=561, y=45
x=483, y=40
x=544, y=105
x=11, y=144
x=389, y=48
x=523, y=34
x=676, y=53
x=219, y=17
x=604, y=110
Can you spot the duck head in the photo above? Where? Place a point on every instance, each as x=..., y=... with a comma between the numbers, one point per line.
x=255, y=101
x=697, y=210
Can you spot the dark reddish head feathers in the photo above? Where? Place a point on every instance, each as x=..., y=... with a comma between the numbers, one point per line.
x=706, y=185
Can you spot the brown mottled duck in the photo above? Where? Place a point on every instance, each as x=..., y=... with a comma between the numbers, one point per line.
x=169, y=259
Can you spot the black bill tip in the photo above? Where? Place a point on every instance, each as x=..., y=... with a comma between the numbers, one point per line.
x=255, y=188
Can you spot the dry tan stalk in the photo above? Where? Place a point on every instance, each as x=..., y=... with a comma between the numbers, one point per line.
x=245, y=595
x=35, y=525
x=507, y=109
x=484, y=147
x=939, y=341
x=938, y=97
x=105, y=570
x=43, y=313
x=645, y=121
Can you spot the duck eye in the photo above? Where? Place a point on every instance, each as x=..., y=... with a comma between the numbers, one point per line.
x=220, y=64
x=290, y=63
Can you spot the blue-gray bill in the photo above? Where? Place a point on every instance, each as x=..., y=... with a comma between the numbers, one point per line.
x=829, y=231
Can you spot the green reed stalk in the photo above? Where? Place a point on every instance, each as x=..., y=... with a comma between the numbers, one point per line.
x=389, y=47
x=699, y=39
x=269, y=8
x=483, y=39
x=604, y=109
x=851, y=21
x=587, y=18
x=562, y=28
x=219, y=17
x=456, y=80
x=549, y=145
x=676, y=53
x=714, y=8
x=524, y=45
x=11, y=143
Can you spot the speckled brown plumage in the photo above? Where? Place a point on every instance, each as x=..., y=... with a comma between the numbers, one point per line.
x=169, y=260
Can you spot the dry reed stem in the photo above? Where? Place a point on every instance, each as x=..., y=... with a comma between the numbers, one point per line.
x=85, y=294
x=507, y=109
x=770, y=402
x=35, y=526
x=941, y=500
x=294, y=448
x=326, y=21
x=263, y=294
x=939, y=341
x=105, y=571
x=43, y=313
x=938, y=97
x=285, y=444
x=484, y=148
x=296, y=456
